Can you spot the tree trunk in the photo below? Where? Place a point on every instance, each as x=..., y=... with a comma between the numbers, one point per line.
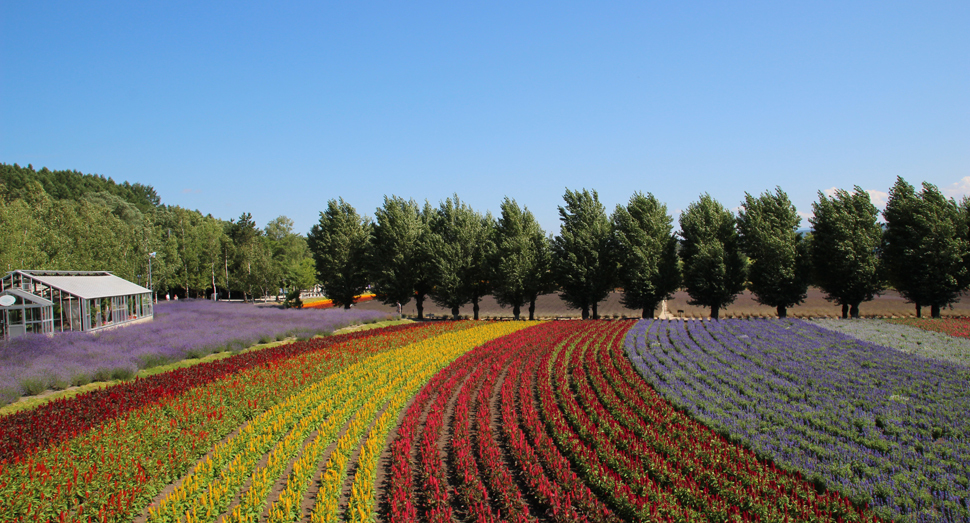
x=649, y=310
x=346, y=306
x=454, y=313
x=532, y=309
x=845, y=311
x=715, y=310
x=782, y=311
x=854, y=311
x=585, y=312
x=515, y=312
x=596, y=314
x=419, y=303
x=919, y=311
x=475, y=306
x=935, y=311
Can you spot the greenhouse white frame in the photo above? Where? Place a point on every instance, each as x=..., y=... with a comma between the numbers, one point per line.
x=57, y=301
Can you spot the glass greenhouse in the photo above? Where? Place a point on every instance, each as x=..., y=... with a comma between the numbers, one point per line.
x=58, y=301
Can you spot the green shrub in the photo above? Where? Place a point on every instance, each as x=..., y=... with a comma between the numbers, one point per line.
x=33, y=385
x=293, y=300
x=122, y=373
x=101, y=374
x=79, y=379
x=8, y=396
x=153, y=360
x=55, y=382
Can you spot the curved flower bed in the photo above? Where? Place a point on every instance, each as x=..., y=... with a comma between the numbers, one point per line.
x=884, y=427
x=113, y=470
x=554, y=423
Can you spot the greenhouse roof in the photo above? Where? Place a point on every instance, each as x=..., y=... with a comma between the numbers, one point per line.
x=33, y=298
x=87, y=284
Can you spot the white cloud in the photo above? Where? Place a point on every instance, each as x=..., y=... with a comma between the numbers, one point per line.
x=805, y=216
x=878, y=198
x=959, y=189
x=830, y=192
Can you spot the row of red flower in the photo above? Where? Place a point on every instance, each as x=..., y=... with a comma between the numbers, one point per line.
x=959, y=327
x=24, y=432
x=583, y=438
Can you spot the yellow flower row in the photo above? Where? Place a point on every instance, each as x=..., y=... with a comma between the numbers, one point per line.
x=238, y=455
x=436, y=357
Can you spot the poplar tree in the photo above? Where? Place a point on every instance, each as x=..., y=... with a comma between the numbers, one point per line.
x=583, y=263
x=647, y=253
x=339, y=243
x=925, y=246
x=521, y=260
x=713, y=264
x=462, y=236
x=401, y=263
x=845, y=249
x=778, y=272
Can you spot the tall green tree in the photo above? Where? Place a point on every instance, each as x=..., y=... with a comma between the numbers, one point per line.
x=778, y=271
x=647, y=253
x=522, y=259
x=462, y=237
x=844, y=249
x=713, y=264
x=289, y=250
x=340, y=243
x=249, y=256
x=583, y=260
x=402, y=266
x=925, y=246
x=481, y=272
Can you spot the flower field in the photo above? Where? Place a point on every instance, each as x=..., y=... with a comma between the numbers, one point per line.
x=114, y=468
x=953, y=326
x=602, y=421
x=906, y=336
x=883, y=427
x=554, y=424
x=181, y=329
x=328, y=303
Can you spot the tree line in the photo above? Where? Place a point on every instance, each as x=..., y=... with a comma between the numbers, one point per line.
x=66, y=220
x=454, y=255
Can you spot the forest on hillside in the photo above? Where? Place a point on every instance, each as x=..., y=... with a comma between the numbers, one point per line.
x=66, y=220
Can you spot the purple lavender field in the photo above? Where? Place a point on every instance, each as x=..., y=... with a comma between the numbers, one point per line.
x=886, y=428
x=181, y=329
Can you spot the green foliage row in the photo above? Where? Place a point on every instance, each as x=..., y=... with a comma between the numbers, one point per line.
x=455, y=255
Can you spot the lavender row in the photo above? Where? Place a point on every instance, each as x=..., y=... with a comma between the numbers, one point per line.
x=936, y=345
x=181, y=329
x=885, y=428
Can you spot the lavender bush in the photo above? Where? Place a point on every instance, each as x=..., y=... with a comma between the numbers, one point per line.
x=936, y=345
x=884, y=427
x=181, y=329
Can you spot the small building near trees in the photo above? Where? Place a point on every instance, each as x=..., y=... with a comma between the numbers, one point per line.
x=45, y=302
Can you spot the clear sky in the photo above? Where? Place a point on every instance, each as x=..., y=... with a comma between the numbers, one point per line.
x=275, y=108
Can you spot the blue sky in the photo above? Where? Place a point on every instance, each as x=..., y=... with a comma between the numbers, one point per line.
x=274, y=109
